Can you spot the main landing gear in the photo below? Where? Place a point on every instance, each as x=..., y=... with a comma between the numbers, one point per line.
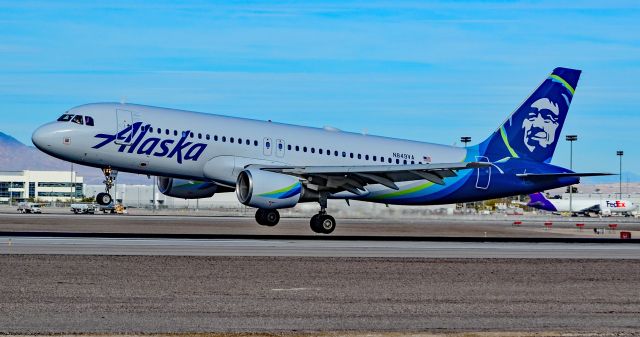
x=322, y=222
x=267, y=217
x=109, y=178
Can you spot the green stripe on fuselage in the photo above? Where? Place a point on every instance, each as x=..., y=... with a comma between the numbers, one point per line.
x=404, y=192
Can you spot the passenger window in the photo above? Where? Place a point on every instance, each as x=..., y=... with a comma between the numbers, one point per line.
x=351, y=155
x=208, y=137
x=366, y=157
x=255, y=143
x=359, y=156
x=319, y=151
x=224, y=139
x=267, y=144
x=175, y=132
x=344, y=154
x=297, y=148
x=77, y=119
x=166, y=132
x=375, y=158
x=159, y=130
x=248, y=142
x=88, y=120
x=335, y=153
x=389, y=160
x=313, y=150
x=280, y=146
x=191, y=134
x=404, y=162
x=289, y=147
x=231, y=140
x=413, y=162
x=397, y=161
x=304, y=149
x=199, y=136
x=215, y=138
x=65, y=118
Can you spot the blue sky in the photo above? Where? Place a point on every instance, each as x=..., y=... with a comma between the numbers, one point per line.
x=429, y=71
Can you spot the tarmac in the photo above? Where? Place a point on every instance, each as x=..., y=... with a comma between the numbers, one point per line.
x=315, y=248
x=287, y=282
x=177, y=222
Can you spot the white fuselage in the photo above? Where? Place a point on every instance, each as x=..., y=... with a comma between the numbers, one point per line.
x=222, y=146
x=605, y=206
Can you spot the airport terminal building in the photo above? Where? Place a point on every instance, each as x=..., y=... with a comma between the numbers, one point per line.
x=46, y=186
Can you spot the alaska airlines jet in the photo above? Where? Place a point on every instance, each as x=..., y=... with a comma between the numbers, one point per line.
x=582, y=206
x=272, y=165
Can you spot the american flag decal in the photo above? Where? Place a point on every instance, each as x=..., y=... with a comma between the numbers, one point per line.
x=427, y=159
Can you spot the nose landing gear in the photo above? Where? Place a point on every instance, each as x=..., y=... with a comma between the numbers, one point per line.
x=109, y=179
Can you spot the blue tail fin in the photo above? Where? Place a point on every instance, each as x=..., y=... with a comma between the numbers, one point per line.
x=532, y=131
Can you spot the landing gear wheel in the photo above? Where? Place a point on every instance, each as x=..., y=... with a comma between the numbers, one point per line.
x=104, y=199
x=267, y=217
x=323, y=223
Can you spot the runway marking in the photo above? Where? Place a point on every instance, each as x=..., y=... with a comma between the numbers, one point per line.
x=294, y=289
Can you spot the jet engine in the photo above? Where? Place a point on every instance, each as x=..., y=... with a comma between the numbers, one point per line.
x=268, y=190
x=186, y=189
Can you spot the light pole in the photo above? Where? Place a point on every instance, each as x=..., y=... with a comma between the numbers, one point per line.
x=465, y=140
x=620, y=154
x=571, y=139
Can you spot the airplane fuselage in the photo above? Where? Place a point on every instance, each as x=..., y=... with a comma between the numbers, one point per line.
x=205, y=147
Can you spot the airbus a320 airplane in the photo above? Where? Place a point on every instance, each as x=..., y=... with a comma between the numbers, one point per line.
x=273, y=165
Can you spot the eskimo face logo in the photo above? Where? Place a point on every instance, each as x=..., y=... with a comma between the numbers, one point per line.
x=135, y=141
x=540, y=124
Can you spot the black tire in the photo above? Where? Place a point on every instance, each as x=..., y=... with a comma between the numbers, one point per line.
x=260, y=216
x=271, y=217
x=103, y=199
x=326, y=224
x=314, y=224
x=267, y=217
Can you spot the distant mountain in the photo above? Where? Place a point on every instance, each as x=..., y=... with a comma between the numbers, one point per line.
x=15, y=156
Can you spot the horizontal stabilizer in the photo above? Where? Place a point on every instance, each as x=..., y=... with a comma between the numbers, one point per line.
x=561, y=175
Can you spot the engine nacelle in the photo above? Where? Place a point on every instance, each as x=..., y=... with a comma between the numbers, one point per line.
x=268, y=190
x=186, y=189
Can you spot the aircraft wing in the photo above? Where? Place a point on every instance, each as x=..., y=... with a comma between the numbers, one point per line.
x=354, y=178
x=560, y=175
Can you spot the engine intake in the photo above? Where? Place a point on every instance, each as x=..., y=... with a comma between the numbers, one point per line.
x=268, y=190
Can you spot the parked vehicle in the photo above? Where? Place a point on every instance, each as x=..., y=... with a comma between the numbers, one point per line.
x=113, y=209
x=29, y=207
x=81, y=208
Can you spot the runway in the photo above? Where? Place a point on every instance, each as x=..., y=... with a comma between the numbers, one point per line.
x=176, y=274
x=315, y=248
x=187, y=223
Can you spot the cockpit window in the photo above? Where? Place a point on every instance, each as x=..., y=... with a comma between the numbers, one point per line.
x=77, y=119
x=88, y=120
x=65, y=118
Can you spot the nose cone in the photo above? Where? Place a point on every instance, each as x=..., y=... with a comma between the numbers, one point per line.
x=43, y=137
